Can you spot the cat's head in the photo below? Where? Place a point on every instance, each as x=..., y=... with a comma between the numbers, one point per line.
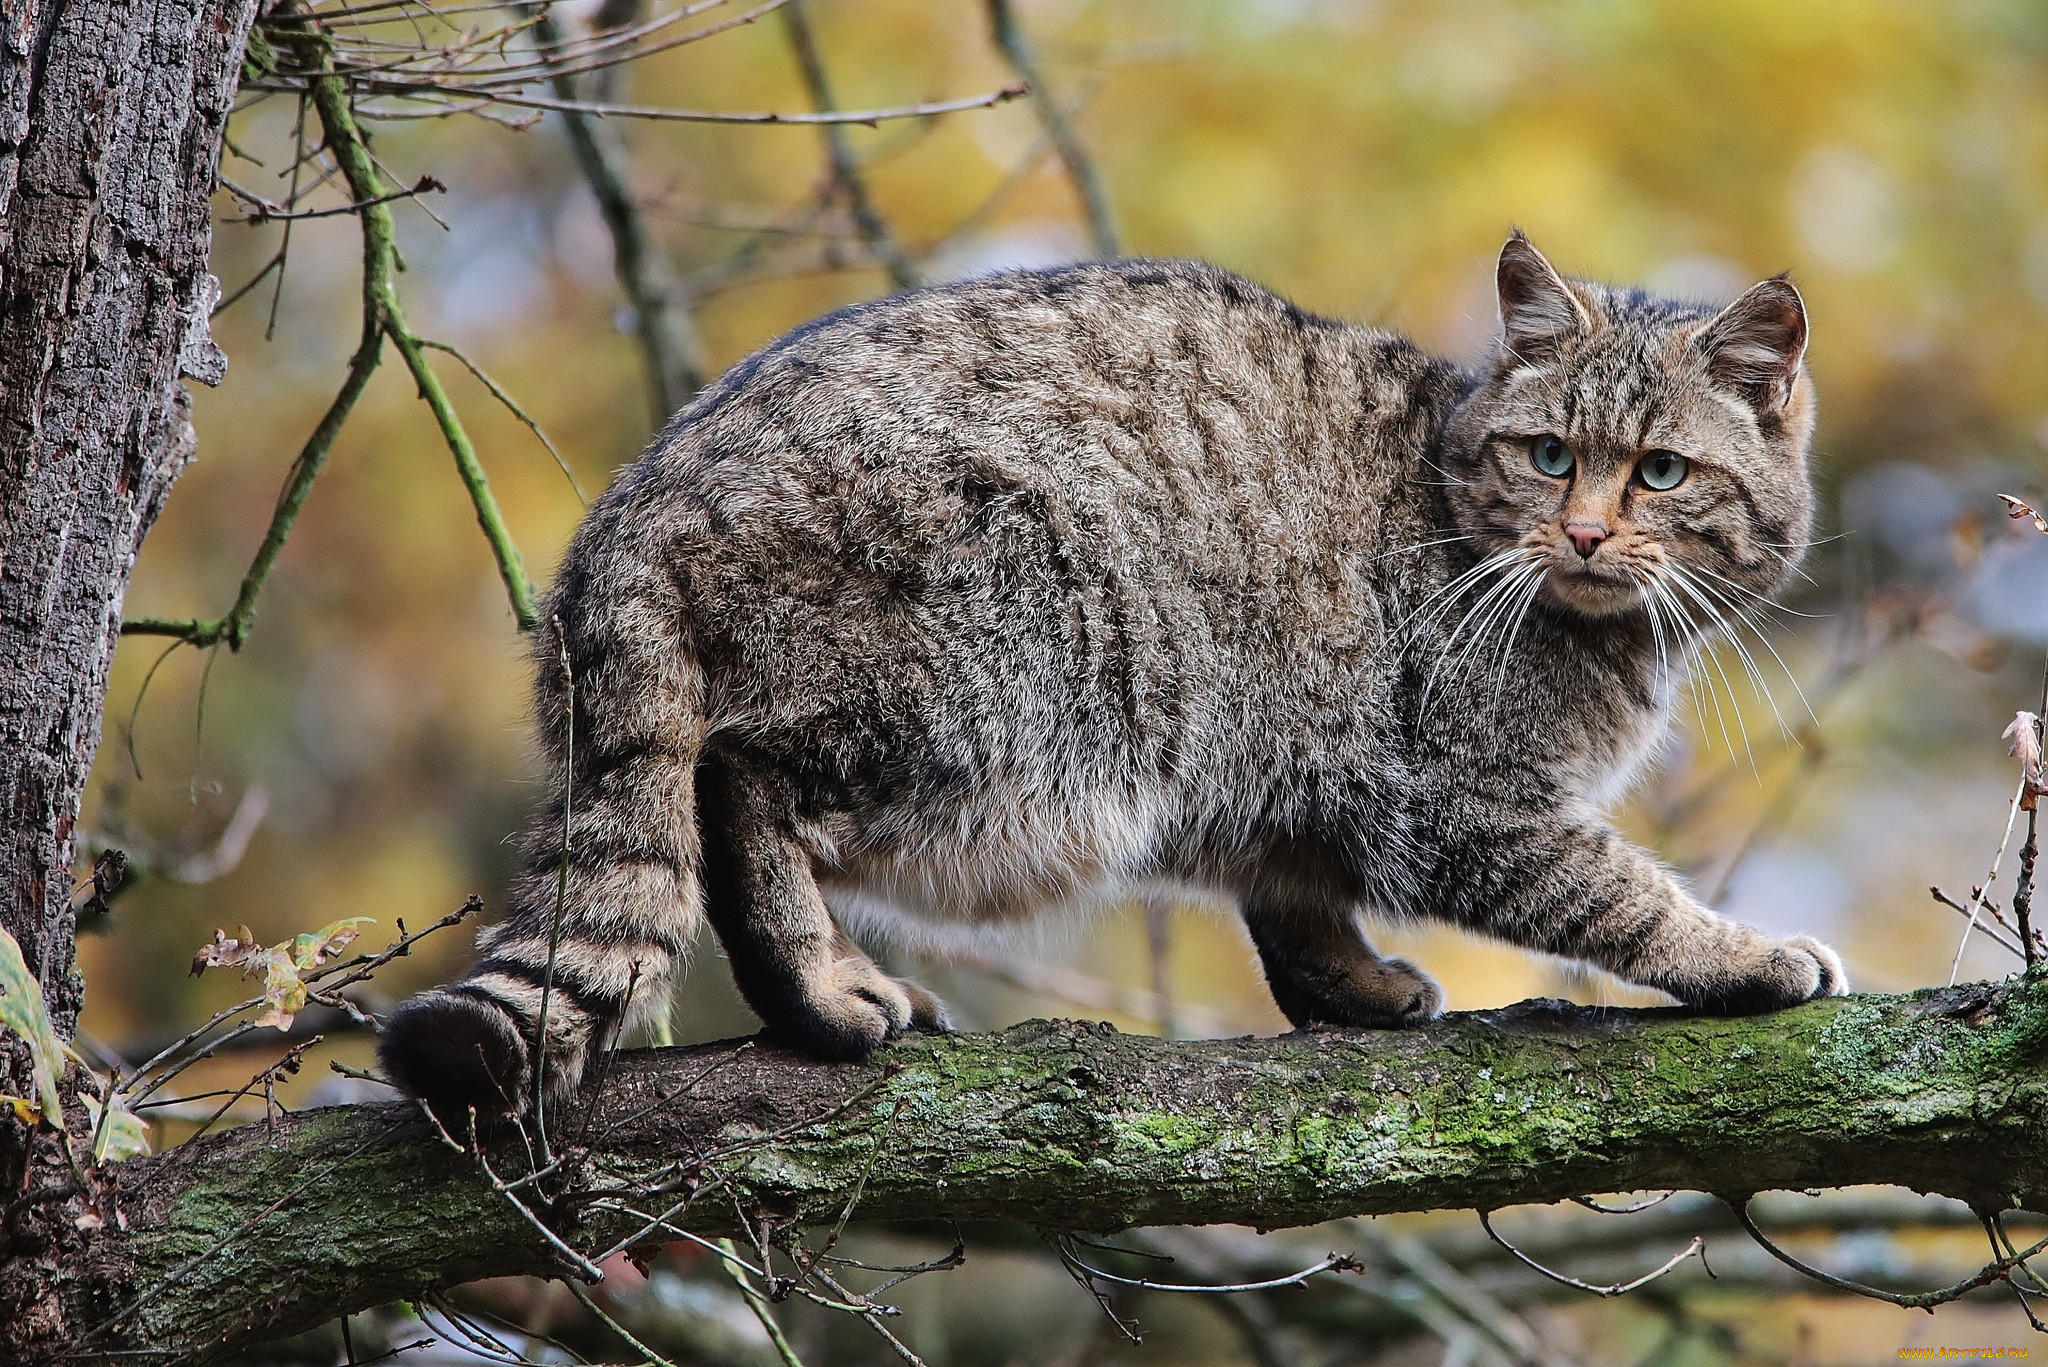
x=1635, y=449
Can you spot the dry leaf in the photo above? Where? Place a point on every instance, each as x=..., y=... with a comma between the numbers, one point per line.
x=2016, y=509
x=2025, y=735
x=284, y=991
x=226, y=951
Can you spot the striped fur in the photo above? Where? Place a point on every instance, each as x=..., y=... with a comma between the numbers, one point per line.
x=1023, y=592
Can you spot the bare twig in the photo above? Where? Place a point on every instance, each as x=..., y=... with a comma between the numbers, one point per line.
x=499, y=393
x=846, y=177
x=1984, y=928
x=757, y=1303
x=1631, y=1208
x=1696, y=1249
x=1996, y=1270
x=870, y=117
x=1094, y=203
x=635, y=1344
x=1977, y=900
x=1335, y=1262
x=267, y=212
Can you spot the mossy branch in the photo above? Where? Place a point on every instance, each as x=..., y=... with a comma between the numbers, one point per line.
x=1081, y=1127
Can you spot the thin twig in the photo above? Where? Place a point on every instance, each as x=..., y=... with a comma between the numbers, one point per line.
x=846, y=177
x=635, y=1344
x=583, y=1266
x=869, y=117
x=267, y=212
x=758, y=1303
x=1983, y=927
x=1080, y=169
x=1590, y=1204
x=1996, y=1270
x=1696, y=1249
x=1335, y=1262
x=1977, y=900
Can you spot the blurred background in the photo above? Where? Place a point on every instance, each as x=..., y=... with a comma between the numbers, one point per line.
x=366, y=753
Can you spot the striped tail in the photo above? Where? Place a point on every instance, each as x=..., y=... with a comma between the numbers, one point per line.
x=608, y=896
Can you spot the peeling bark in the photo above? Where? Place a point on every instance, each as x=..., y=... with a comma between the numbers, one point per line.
x=258, y=1233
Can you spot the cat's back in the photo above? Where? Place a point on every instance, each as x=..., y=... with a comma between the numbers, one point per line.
x=1106, y=400
x=1146, y=498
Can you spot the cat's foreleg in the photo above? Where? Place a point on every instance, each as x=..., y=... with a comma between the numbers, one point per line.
x=807, y=981
x=1323, y=971
x=1578, y=889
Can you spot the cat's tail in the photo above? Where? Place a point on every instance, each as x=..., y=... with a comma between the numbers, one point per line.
x=608, y=895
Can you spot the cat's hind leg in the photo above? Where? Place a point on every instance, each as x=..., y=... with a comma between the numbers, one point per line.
x=808, y=982
x=1323, y=971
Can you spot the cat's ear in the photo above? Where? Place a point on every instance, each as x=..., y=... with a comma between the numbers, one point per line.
x=1538, y=311
x=1756, y=344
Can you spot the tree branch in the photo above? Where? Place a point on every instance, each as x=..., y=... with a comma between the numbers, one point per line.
x=1066, y=142
x=1943, y=1090
x=662, y=323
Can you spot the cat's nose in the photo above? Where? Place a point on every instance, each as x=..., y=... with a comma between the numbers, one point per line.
x=1586, y=537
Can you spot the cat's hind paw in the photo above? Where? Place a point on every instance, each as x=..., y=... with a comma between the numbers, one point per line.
x=858, y=1011
x=462, y=1055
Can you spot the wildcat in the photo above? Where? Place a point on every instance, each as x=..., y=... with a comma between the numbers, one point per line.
x=1029, y=589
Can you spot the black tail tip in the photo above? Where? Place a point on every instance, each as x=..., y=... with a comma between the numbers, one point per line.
x=458, y=1054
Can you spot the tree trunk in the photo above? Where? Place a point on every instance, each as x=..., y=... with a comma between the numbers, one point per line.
x=268, y=1230
x=111, y=114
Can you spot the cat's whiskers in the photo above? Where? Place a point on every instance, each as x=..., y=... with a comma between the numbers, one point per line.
x=1661, y=680
x=1666, y=636
x=1762, y=601
x=1700, y=680
x=1451, y=592
x=1751, y=618
x=1518, y=565
x=1450, y=480
x=1418, y=546
x=1784, y=548
x=1716, y=623
x=1714, y=609
x=1748, y=618
x=1507, y=648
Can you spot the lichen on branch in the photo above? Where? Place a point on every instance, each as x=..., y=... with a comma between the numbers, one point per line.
x=1076, y=1126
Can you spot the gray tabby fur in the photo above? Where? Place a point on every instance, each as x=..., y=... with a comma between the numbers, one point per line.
x=1028, y=590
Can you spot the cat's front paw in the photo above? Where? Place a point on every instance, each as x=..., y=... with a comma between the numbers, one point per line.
x=1784, y=973
x=857, y=1011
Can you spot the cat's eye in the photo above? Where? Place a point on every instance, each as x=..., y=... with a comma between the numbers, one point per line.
x=1550, y=456
x=1662, y=470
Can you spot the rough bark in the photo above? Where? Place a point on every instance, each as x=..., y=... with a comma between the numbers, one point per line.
x=264, y=1231
x=111, y=114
